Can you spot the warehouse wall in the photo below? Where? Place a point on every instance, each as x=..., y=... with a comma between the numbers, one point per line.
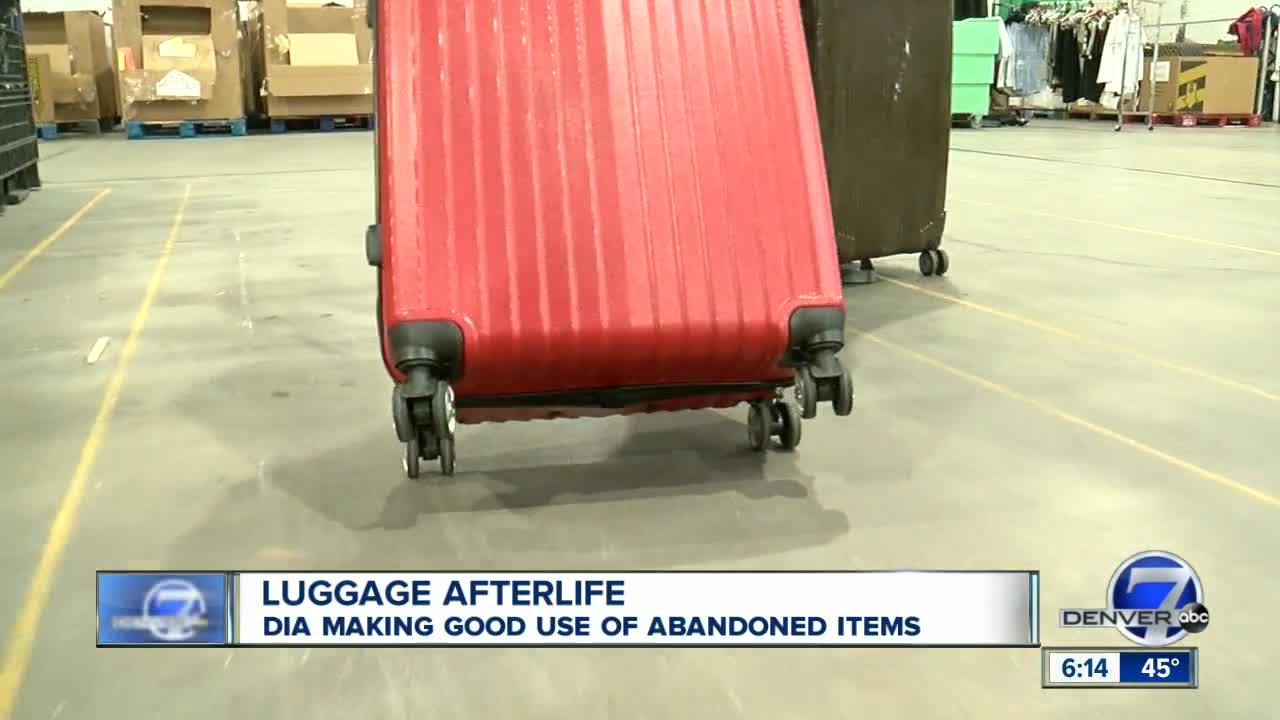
x=102, y=6
x=1201, y=10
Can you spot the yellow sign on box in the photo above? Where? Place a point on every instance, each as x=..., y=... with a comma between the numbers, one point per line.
x=33, y=77
x=1192, y=81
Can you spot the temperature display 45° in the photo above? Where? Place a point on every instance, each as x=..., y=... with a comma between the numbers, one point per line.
x=1120, y=667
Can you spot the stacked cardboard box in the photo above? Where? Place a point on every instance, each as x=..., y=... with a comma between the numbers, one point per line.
x=1206, y=84
x=71, y=75
x=180, y=60
x=312, y=60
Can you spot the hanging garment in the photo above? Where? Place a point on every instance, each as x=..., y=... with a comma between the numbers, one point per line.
x=1121, y=66
x=1029, y=67
x=1004, y=67
x=1066, y=64
x=1248, y=30
x=1269, y=106
x=1091, y=88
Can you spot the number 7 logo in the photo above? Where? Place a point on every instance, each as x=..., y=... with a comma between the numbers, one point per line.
x=1154, y=581
x=1178, y=576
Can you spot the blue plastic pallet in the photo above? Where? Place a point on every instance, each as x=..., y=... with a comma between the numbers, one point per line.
x=52, y=131
x=138, y=130
x=322, y=124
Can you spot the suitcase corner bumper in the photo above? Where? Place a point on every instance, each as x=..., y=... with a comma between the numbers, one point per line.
x=816, y=338
x=435, y=344
x=812, y=329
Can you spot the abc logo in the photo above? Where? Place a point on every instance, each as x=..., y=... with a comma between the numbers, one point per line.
x=1194, y=618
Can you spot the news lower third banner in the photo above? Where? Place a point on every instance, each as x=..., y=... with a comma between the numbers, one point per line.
x=619, y=609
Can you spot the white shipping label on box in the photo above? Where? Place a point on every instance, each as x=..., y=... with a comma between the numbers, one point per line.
x=322, y=49
x=177, y=84
x=1161, y=72
x=176, y=48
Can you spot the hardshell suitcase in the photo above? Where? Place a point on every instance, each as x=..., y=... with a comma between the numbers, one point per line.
x=592, y=208
x=882, y=80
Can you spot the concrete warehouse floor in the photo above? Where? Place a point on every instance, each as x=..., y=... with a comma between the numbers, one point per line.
x=1095, y=377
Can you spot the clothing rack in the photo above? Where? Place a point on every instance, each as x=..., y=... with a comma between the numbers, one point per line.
x=1132, y=6
x=1267, y=66
x=1151, y=84
x=1134, y=21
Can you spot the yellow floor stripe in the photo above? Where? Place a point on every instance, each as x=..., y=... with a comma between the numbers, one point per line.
x=1080, y=422
x=1013, y=207
x=46, y=243
x=22, y=639
x=1045, y=327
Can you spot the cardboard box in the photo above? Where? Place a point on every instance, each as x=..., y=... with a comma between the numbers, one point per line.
x=312, y=60
x=69, y=53
x=180, y=60
x=1207, y=84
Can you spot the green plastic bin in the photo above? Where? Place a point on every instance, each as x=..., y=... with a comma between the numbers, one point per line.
x=975, y=44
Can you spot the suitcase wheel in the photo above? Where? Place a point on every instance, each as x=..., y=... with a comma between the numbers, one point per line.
x=769, y=419
x=759, y=425
x=842, y=403
x=444, y=414
x=446, y=456
x=790, y=424
x=826, y=380
x=426, y=426
x=807, y=393
x=401, y=417
x=412, y=459
x=934, y=263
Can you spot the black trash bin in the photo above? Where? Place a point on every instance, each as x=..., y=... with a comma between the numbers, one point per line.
x=882, y=80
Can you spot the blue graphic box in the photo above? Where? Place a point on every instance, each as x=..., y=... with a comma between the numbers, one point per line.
x=162, y=609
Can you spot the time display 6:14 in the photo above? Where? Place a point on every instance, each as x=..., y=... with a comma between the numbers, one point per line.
x=1093, y=667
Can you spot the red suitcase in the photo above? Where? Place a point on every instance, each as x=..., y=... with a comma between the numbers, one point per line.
x=592, y=207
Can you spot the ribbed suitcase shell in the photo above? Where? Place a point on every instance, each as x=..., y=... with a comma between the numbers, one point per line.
x=601, y=193
x=882, y=78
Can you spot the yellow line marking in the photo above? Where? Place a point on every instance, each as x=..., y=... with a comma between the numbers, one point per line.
x=17, y=657
x=44, y=244
x=1123, y=228
x=1083, y=340
x=1080, y=422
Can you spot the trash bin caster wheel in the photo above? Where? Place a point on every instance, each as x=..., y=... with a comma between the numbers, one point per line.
x=941, y=262
x=927, y=264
